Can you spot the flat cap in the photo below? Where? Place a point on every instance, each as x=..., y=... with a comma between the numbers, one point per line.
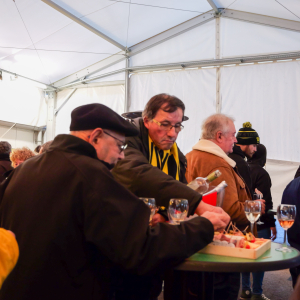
x=96, y=115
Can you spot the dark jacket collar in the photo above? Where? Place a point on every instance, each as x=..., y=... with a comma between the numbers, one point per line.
x=73, y=144
x=237, y=150
x=4, y=156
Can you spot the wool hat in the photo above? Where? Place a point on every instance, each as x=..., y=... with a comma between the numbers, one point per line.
x=247, y=135
x=92, y=116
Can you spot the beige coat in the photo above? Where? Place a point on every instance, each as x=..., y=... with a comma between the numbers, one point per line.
x=207, y=157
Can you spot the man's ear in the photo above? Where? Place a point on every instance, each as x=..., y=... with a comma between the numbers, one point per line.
x=146, y=122
x=219, y=136
x=96, y=133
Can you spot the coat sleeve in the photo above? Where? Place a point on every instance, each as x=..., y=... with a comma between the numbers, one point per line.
x=9, y=253
x=231, y=204
x=117, y=223
x=135, y=173
x=263, y=183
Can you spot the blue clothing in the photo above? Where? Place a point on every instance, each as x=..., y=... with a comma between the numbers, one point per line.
x=257, y=276
x=291, y=195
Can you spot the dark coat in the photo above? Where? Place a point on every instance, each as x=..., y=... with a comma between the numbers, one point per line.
x=297, y=173
x=262, y=181
x=5, y=165
x=291, y=195
x=140, y=177
x=242, y=166
x=75, y=226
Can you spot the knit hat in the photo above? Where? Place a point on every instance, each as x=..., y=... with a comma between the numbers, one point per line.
x=247, y=135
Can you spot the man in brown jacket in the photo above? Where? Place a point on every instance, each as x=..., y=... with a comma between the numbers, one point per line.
x=210, y=154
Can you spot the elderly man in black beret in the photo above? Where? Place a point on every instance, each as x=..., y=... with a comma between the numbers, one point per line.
x=77, y=228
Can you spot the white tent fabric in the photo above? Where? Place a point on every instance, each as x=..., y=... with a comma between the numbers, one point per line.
x=22, y=102
x=246, y=39
x=268, y=96
x=196, y=44
x=111, y=96
x=196, y=88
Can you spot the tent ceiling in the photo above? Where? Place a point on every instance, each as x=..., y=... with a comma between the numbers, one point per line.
x=43, y=44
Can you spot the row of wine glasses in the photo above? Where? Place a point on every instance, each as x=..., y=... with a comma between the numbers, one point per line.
x=177, y=211
x=285, y=215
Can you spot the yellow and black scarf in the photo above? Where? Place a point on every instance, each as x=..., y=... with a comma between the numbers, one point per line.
x=160, y=158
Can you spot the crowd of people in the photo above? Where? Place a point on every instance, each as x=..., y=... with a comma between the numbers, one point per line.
x=82, y=231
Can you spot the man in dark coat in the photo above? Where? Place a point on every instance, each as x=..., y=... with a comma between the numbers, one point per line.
x=77, y=227
x=291, y=195
x=247, y=140
x=5, y=163
x=153, y=165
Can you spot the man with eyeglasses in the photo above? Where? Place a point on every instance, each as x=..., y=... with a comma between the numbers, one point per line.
x=77, y=227
x=155, y=167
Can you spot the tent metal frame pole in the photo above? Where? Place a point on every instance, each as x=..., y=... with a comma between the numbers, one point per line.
x=84, y=24
x=195, y=64
x=261, y=20
x=218, y=70
x=15, y=74
x=126, y=104
x=56, y=111
x=138, y=48
x=214, y=6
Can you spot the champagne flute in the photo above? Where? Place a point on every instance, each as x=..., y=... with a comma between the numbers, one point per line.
x=178, y=210
x=286, y=217
x=150, y=202
x=252, y=211
x=257, y=196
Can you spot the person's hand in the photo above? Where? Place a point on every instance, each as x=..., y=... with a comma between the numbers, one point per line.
x=203, y=207
x=258, y=192
x=263, y=206
x=219, y=220
x=273, y=233
x=157, y=218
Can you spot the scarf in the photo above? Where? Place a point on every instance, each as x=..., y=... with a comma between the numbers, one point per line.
x=159, y=158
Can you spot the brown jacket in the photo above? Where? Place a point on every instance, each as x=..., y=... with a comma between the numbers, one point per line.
x=202, y=162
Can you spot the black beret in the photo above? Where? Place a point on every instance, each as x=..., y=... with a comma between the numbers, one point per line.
x=92, y=116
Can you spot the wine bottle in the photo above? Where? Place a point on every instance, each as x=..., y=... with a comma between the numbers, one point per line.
x=201, y=185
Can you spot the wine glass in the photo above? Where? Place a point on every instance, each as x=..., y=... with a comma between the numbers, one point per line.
x=252, y=211
x=257, y=196
x=150, y=202
x=286, y=217
x=178, y=210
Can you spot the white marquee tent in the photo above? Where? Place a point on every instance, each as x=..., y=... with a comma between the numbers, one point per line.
x=238, y=57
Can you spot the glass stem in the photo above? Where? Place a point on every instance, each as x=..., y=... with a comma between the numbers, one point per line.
x=252, y=225
x=284, y=241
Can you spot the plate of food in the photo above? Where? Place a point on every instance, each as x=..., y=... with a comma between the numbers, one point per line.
x=237, y=244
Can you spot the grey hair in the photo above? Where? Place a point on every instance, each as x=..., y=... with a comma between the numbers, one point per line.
x=5, y=148
x=215, y=123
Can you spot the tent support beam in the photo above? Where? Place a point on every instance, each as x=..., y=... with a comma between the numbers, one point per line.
x=214, y=6
x=138, y=48
x=195, y=64
x=51, y=118
x=52, y=88
x=56, y=111
x=171, y=33
x=126, y=104
x=84, y=24
x=261, y=19
x=218, y=70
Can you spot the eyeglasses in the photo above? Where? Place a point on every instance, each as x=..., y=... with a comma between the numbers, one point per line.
x=121, y=147
x=168, y=126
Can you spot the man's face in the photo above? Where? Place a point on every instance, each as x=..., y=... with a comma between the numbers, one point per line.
x=249, y=150
x=228, y=139
x=109, y=146
x=164, y=139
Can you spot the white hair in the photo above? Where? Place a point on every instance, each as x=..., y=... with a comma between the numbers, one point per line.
x=215, y=123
